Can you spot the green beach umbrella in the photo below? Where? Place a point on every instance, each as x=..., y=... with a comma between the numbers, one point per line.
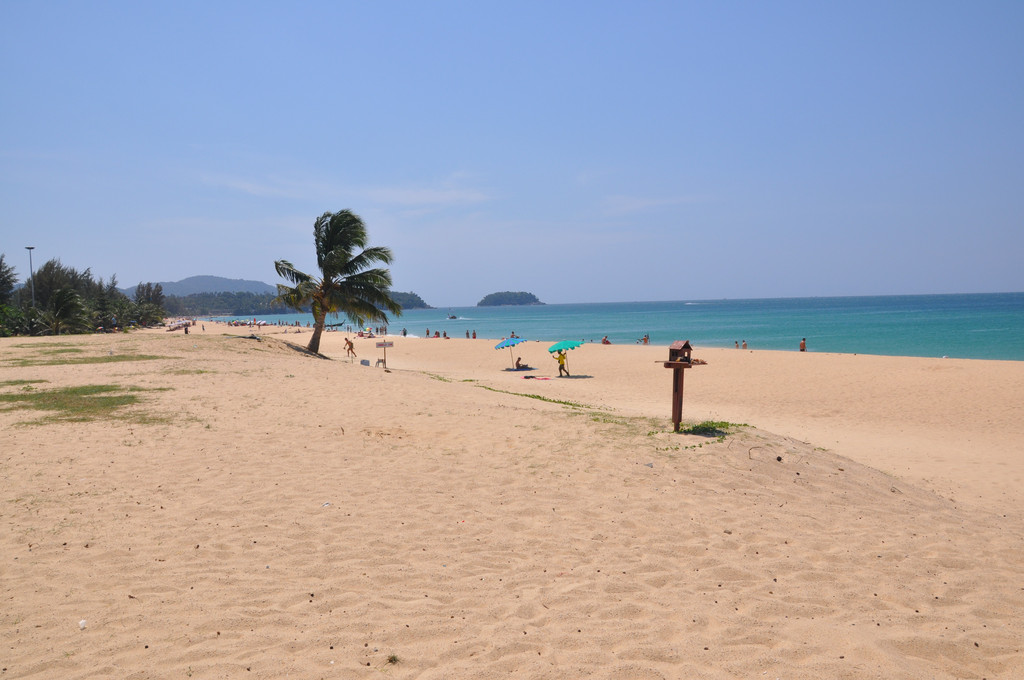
x=564, y=345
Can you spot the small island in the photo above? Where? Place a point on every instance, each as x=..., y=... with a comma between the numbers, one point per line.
x=409, y=300
x=508, y=298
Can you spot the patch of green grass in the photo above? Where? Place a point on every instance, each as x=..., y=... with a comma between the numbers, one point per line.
x=82, y=403
x=538, y=397
x=439, y=377
x=708, y=428
x=15, y=383
x=105, y=359
x=194, y=371
x=37, y=345
x=609, y=420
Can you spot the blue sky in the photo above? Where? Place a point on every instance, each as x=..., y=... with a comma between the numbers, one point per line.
x=582, y=151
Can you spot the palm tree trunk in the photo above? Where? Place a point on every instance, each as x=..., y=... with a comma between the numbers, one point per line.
x=318, y=329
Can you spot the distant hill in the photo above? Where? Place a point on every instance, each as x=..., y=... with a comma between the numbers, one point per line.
x=508, y=298
x=409, y=300
x=209, y=284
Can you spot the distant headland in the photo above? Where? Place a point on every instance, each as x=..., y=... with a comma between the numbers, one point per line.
x=409, y=300
x=508, y=298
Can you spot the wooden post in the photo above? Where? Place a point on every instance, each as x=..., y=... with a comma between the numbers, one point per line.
x=384, y=346
x=677, y=398
x=678, y=360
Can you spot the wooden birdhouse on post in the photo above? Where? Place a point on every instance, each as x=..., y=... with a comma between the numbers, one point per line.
x=679, y=359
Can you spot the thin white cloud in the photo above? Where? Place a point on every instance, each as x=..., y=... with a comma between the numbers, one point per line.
x=404, y=196
x=271, y=187
x=620, y=205
x=420, y=196
x=198, y=224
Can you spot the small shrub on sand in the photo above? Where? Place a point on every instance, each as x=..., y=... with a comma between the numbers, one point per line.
x=709, y=428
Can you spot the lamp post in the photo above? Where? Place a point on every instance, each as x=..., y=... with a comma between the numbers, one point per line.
x=32, y=274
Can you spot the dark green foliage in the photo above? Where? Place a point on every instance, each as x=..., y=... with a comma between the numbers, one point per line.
x=508, y=298
x=108, y=304
x=13, y=321
x=70, y=301
x=64, y=313
x=8, y=279
x=53, y=276
x=153, y=293
x=708, y=428
x=409, y=300
x=253, y=304
x=225, y=304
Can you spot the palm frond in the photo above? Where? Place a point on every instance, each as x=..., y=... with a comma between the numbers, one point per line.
x=337, y=236
x=286, y=270
x=367, y=258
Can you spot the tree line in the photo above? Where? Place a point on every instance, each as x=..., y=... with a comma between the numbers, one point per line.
x=224, y=304
x=58, y=299
x=254, y=304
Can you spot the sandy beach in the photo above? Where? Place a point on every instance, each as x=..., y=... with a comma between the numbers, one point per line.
x=255, y=512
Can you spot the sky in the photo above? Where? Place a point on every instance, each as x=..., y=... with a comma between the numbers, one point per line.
x=583, y=151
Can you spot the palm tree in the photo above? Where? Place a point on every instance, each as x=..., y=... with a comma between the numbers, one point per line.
x=347, y=283
x=65, y=313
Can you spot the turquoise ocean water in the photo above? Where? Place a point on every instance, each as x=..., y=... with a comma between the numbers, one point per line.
x=972, y=326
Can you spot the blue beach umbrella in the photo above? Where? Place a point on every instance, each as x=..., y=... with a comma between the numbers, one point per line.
x=510, y=343
x=563, y=346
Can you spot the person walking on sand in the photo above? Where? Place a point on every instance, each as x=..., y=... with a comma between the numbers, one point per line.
x=803, y=345
x=350, y=349
x=562, y=368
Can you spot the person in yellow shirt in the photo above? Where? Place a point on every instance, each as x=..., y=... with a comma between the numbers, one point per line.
x=562, y=368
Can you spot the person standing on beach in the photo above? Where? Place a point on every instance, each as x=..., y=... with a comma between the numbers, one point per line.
x=350, y=349
x=803, y=345
x=560, y=358
x=744, y=344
